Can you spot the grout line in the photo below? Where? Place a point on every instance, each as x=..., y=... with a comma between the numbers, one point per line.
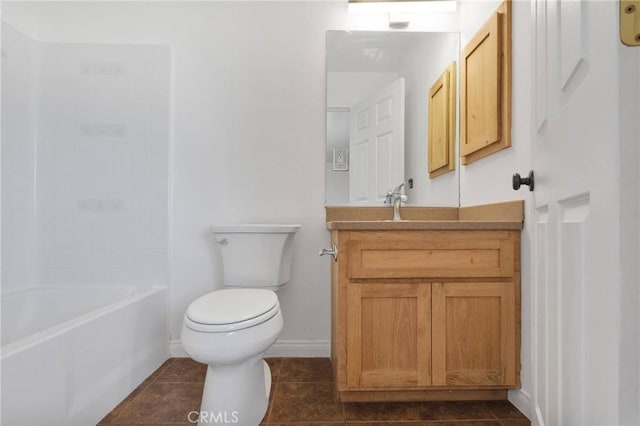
x=277, y=371
x=488, y=407
x=453, y=421
x=160, y=370
x=300, y=423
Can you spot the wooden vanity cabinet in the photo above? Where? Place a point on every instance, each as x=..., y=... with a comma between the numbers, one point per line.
x=425, y=315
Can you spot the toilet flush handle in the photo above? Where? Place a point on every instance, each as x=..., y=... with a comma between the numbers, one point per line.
x=333, y=252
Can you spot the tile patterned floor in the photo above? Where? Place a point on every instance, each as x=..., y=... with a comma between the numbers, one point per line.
x=302, y=394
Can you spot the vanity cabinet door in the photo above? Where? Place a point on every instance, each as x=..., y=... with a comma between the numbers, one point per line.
x=388, y=335
x=473, y=334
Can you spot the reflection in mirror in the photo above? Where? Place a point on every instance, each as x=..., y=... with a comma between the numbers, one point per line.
x=377, y=115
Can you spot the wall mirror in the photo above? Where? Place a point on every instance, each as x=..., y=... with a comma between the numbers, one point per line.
x=377, y=116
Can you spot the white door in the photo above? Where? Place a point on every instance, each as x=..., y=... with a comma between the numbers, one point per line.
x=376, y=144
x=576, y=284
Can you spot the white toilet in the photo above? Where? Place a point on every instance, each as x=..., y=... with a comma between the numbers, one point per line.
x=230, y=329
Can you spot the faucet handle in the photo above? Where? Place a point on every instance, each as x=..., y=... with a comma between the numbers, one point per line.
x=388, y=199
x=398, y=188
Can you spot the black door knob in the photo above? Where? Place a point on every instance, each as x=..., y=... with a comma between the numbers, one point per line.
x=518, y=181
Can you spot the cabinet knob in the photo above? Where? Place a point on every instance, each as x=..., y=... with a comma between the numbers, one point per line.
x=517, y=181
x=333, y=252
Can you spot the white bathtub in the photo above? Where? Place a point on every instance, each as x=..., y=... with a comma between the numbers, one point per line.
x=71, y=353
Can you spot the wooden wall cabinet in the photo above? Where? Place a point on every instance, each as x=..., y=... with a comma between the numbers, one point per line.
x=425, y=315
x=485, y=88
x=442, y=123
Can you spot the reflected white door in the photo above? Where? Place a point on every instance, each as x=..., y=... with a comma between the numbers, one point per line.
x=376, y=144
x=576, y=269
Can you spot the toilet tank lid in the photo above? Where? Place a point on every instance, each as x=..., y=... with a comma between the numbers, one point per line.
x=255, y=228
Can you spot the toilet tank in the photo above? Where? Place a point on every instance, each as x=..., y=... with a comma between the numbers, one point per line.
x=256, y=255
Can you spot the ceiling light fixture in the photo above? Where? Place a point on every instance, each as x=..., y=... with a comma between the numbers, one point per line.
x=404, y=7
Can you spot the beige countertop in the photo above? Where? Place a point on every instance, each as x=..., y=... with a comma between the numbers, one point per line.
x=382, y=225
x=499, y=216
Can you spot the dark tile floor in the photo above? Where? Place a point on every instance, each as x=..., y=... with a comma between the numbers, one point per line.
x=302, y=394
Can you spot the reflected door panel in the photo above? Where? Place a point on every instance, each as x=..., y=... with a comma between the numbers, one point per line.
x=376, y=144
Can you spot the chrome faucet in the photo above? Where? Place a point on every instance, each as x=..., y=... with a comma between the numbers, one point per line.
x=395, y=198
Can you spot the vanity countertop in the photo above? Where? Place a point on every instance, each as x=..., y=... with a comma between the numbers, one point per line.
x=384, y=225
x=499, y=216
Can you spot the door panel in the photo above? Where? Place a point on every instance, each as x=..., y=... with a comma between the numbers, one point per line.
x=573, y=214
x=575, y=153
x=376, y=144
x=359, y=174
x=388, y=335
x=473, y=334
x=542, y=305
x=480, y=89
x=572, y=30
x=384, y=164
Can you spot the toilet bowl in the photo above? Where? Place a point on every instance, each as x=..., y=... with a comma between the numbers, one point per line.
x=230, y=329
x=238, y=380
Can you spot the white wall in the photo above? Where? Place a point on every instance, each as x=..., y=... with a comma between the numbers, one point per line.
x=420, y=72
x=337, y=137
x=489, y=180
x=248, y=126
x=19, y=55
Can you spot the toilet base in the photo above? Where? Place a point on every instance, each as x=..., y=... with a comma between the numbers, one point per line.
x=236, y=394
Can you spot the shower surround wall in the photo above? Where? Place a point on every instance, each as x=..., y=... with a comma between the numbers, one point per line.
x=103, y=167
x=247, y=84
x=85, y=163
x=19, y=54
x=85, y=201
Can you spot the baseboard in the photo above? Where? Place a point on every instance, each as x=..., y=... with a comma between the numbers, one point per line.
x=523, y=402
x=176, y=350
x=300, y=348
x=282, y=348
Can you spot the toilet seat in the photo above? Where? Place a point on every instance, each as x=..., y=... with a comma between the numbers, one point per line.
x=231, y=309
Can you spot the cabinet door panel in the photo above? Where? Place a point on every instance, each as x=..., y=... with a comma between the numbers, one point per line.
x=442, y=122
x=473, y=334
x=485, y=88
x=480, y=89
x=388, y=334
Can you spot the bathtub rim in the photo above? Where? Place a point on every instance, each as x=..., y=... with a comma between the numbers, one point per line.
x=25, y=343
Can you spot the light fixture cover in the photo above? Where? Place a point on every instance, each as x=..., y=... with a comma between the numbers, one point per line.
x=407, y=6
